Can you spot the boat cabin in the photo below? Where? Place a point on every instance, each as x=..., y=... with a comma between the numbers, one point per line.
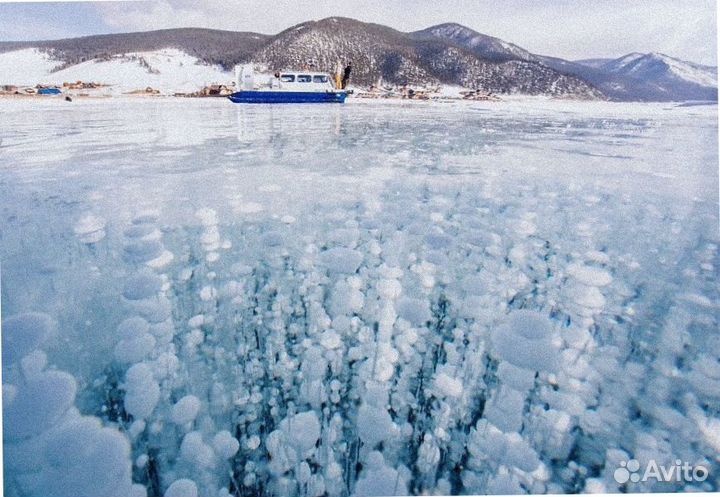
x=302, y=81
x=288, y=81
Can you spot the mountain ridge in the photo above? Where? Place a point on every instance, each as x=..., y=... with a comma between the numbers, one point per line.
x=447, y=53
x=488, y=46
x=605, y=75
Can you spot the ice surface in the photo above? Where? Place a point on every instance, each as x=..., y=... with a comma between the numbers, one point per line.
x=365, y=299
x=142, y=286
x=90, y=229
x=589, y=275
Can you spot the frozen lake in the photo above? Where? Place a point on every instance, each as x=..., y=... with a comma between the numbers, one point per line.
x=365, y=299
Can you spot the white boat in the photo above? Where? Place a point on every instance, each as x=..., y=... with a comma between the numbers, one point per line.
x=285, y=87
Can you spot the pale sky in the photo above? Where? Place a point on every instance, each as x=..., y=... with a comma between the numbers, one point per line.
x=571, y=29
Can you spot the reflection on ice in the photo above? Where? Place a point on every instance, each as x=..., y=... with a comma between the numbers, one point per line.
x=356, y=300
x=257, y=123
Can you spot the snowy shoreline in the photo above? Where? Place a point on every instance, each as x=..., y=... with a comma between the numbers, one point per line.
x=504, y=100
x=351, y=99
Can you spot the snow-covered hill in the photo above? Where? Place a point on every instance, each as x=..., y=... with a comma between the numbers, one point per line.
x=483, y=45
x=27, y=66
x=651, y=76
x=167, y=70
x=616, y=65
x=661, y=69
x=635, y=76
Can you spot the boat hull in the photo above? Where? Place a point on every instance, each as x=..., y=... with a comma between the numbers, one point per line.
x=287, y=97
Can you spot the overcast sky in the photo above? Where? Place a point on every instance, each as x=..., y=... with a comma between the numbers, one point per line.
x=570, y=29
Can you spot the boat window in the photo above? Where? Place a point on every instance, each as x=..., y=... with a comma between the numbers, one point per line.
x=287, y=78
x=320, y=79
x=304, y=78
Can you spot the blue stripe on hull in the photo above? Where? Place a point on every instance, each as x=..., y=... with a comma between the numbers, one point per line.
x=286, y=97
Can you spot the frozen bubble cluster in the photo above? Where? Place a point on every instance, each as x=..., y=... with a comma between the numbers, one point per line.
x=50, y=448
x=416, y=300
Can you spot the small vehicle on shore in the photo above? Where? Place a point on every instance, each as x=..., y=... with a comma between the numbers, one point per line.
x=49, y=91
x=285, y=87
